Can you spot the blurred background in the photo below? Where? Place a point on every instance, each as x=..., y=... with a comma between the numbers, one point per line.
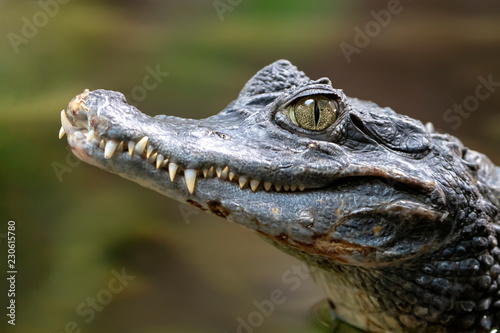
x=186, y=271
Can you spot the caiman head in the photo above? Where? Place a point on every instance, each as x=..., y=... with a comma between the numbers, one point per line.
x=376, y=200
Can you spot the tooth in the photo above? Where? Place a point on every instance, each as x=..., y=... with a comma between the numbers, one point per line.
x=211, y=172
x=218, y=171
x=165, y=161
x=223, y=175
x=172, y=169
x=152, y=158
x=61, y=132
x=231, y=175
x=91, y=135
x=302, y=187
x=149, y=151
x=205, y=173
x=190, y=176
x=243, y=181
x=102, y=144
x=110, y=149
x=159, y=160
x=267, y=186
x=131, y=146
x=293, y=188
x=278, y=187
x=254, y=184
x=141, y=145
x=78, y=135
x=64, y=120
x=286, y=187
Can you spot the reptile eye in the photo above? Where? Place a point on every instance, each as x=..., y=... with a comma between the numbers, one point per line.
x=313, y=113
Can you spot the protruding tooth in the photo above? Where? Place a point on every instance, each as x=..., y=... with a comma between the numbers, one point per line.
x=254, y=184
x=218, y=171
x=159, y=161
x=131, y=146
x=190, y=176
x=267, y=186
x=243, y=181
x=165, y=161
x=91, y=135
x=172, y=169
x=211, y=172
x=61, y=132
x=205, y=172
x=277, y=187
x=110, y=148
x=224, y=172
x=102, y=144
x=231, y=175
x=302, y=187
x=64, y=120
x=149, y=151
x=293, y=188
x=141, y=145
x=286, y=187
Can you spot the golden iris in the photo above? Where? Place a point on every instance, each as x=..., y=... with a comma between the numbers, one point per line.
x=313, y=113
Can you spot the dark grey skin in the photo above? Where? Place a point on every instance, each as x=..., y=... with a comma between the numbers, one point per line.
x=398, y=223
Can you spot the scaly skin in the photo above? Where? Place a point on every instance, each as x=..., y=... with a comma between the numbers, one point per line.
x=398, y=222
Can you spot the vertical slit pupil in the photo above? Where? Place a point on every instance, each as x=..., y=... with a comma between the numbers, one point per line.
x=316, y=113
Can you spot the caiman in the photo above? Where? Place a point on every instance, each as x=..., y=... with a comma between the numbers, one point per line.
x=399, y=222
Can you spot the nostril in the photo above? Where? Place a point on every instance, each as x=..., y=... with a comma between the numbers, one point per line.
x=78, y=113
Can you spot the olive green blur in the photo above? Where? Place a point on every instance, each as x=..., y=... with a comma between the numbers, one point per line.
x=79, y=227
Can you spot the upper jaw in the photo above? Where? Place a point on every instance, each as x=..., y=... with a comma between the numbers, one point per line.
x=103, y=129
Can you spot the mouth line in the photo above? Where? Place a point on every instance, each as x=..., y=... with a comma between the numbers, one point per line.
x=80, y=130
x=149, y=154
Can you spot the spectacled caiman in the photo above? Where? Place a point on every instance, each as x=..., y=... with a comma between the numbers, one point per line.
x=400, y=222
